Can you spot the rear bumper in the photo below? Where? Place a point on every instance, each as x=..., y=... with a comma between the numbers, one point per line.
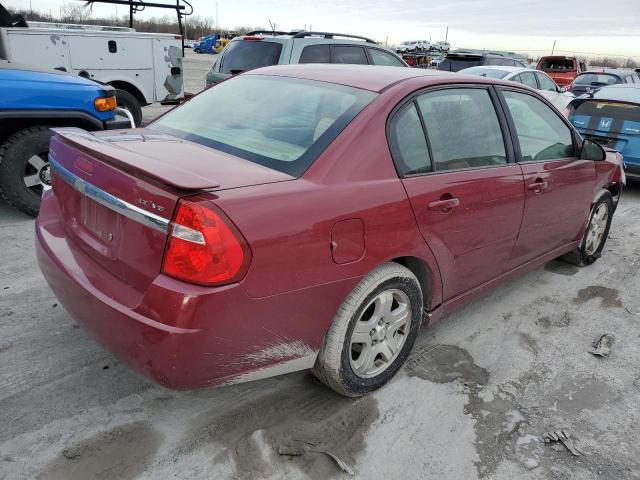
x=180, y=335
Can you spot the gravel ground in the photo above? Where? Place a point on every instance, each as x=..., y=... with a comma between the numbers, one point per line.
x=480, y=388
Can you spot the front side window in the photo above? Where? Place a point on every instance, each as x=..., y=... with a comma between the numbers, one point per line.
x=546, y=83
x=411, y=152
x=348, y=54
x=378, y=57
x=315, y=54
x=462, y=128
x=281, y=123
x=541, y=133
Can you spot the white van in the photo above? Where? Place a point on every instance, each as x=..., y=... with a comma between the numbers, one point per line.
x=143, y=67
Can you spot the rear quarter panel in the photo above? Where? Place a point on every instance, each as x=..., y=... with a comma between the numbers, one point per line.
x=288, y=225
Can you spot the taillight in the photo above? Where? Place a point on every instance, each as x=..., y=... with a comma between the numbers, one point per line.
x=204, y=247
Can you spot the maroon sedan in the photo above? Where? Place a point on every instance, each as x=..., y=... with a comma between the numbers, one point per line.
x=313, y=216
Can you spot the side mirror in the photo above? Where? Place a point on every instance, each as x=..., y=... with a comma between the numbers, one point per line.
x=592, y=151
x=562, y=89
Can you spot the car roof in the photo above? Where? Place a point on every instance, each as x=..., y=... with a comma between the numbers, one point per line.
x=505, y=68
x=610, y=71
x=375, y=78
x=622, y=92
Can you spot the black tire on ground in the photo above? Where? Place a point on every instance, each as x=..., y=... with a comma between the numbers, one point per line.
x=131, y=103
x=23, y=157
x=586, y=254
x=333, y=366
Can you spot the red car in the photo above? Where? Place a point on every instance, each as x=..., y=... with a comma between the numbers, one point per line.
x=313, y=216
x=563, y=70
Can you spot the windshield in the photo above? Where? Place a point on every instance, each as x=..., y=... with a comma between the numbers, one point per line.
x=282, y=123
x=595, y=79
x=243, y=55
x=485, y=72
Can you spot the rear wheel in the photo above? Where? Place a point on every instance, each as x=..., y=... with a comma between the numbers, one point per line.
x=24, y=168
x=372, y=333
x=129, y=102
x=596, y=233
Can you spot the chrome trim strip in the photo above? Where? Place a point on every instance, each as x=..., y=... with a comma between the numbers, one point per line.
x=110, y=201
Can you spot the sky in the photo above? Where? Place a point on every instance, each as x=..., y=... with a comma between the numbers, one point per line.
x=589, y=27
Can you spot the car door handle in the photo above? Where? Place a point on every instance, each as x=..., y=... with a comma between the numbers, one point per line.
x=538, y=185
x=444, y=205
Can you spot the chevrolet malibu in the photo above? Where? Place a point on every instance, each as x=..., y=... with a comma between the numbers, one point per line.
x=310, y=216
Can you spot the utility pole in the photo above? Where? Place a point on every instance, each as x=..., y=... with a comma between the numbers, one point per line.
x=446, y=35
x=554, y=47
x=217, y=24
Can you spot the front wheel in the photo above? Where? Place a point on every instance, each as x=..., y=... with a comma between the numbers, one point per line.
x=129, y=102
x=372, y=333
x=596, y=233
x=24, y=168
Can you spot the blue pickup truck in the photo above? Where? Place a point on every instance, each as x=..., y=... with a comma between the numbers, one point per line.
x=32, y=101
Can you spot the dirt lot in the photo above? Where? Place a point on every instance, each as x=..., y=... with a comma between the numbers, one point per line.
x=480, y=388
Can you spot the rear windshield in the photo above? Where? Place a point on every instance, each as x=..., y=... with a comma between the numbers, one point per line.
x=281, y=123
x=486, y=72
x=615, y=110
x=455, y=64
x=596, y=79
x=557, y=65
x=243, y=55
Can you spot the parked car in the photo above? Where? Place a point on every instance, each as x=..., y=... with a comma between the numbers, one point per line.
x=563, y=70
x=442, y=46
x=593, y=79
x=611, y=117
x=408, y=46
x=206, y=44
x=454, y=62
x=40, y=99
x=264, y=48
x=535, y=79
x=318, y=226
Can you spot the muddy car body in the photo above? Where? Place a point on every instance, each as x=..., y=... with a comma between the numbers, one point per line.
x=201, y=262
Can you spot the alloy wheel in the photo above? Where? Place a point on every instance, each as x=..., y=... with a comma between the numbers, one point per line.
x=37, y=175
x=380, y=333
x=597, y=228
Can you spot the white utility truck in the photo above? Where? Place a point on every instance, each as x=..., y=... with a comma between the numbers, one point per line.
x=144, y=68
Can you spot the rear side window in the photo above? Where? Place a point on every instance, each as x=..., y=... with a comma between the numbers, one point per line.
x=541, y=133
x=497, y=61
x=411, y=152
x=348, y=54
x=281, y=123
x=378, y=57
x=596, y=79
x=546, y=83
x=316, y=54
x=243, y=55
x=462, y=129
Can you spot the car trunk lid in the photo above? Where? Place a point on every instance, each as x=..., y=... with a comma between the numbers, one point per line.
x=118, y=191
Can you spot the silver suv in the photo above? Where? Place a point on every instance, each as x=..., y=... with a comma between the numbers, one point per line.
x=263, y=48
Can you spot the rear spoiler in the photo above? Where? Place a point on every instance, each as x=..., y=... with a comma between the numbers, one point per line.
x=128, y=161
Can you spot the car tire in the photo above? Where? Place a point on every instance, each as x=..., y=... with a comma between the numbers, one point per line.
x=596, y=233
x=129, y=102
x=342, y=363
x=24, y=168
